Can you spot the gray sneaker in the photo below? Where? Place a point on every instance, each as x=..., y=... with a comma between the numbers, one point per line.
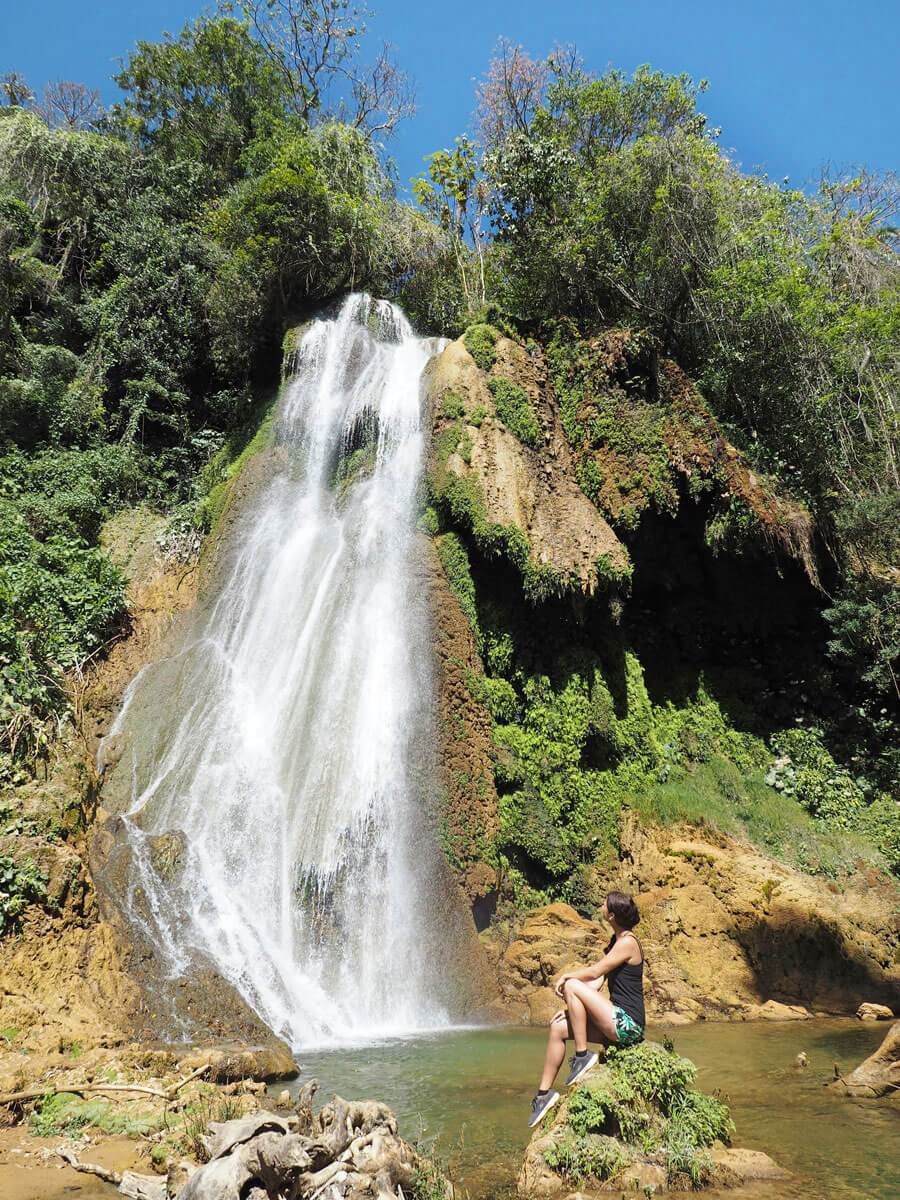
x=540, y=1106
x=581, y=1064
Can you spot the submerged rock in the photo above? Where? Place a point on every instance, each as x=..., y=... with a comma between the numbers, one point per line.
x=637, y=1123
x=879, y=1074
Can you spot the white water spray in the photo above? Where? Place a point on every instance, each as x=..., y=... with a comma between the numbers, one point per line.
x=283, y=748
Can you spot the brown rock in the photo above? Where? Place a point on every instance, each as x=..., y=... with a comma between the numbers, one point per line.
x=773, y=1011
x=745, y=1165
x=879, y=1074
x=711, y=949
x=229, y=1064
x=874, y=1012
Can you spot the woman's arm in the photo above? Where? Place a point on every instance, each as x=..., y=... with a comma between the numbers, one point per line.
x=617, y=954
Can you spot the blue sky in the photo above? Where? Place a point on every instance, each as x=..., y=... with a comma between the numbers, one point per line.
x=792, y=84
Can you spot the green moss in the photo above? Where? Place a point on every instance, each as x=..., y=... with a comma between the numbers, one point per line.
x=455, y=561
x=447, y=441
x=219, y=476
x=452, y=406
x=354, y=467
x=480, y=341
x=516, y=411
x=477, y=415
x=430, y=522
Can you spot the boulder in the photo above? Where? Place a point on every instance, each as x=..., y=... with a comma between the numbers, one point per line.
x=772, y=1010
x=227, y=1064
x=879, y=1074
x=874, y=1012
x=743, y=1165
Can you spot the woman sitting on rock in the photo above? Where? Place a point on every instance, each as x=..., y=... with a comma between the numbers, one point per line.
x=590, y=1017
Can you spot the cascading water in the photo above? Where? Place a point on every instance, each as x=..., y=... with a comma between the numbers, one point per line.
x=284, y=749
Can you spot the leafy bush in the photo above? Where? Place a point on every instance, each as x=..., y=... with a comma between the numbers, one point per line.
x=643, y=1097
x=19, y=885
x=806, y=769
x=480, y=341
x=516, y=411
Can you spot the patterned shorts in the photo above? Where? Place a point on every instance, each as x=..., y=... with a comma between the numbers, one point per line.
x=628, y=1032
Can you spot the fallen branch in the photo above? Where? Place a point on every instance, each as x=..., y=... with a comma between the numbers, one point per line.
x=176, y=1088
x=86, y=1089
x=90, y=1168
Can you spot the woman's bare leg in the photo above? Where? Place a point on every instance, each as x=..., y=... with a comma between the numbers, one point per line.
x=556, y=1051
x=585, y=1005
x=560, y=1033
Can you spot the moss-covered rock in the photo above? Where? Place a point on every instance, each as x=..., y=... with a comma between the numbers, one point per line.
x=636, y=1123
x=499, y=469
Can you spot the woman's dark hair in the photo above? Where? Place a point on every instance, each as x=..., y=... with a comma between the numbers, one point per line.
x=623, y=908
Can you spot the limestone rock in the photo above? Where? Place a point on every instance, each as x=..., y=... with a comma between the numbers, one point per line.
x=530, y=487
x=773, y=1011
x=745, y=1165
x=879, y=1074
x=874, y=1012
x=228, y=1064
x=715, y=945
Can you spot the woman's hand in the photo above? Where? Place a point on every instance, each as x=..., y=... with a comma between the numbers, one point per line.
x=561, y=982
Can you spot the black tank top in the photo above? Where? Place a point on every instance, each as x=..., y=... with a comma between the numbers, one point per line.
x=626, y=986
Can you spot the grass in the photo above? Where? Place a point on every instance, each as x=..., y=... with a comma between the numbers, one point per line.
x=65, y=1115
x=744, y=807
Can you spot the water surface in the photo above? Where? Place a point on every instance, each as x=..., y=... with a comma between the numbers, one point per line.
x=468, y=1092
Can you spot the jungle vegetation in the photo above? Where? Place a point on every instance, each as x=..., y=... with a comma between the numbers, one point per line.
x=153, y=253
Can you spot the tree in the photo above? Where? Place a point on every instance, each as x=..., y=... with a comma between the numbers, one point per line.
x=455, y=194
x=70, y=105
x=510, y=94
x=316, y=45
x=14, y=91
x=204, y=95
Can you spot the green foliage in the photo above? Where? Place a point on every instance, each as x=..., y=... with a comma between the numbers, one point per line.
x=429, y=1181
x=59, y=600
x=642, y=1097
x=806, y=769
x=516, y=411
x=20, y=884
x=63, y=1114
x=211, y=95
x=579, y=1158
x=316, y=220
x=455, y=562
x=480, y=341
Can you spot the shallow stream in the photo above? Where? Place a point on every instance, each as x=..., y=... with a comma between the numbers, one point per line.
x=469, y=1092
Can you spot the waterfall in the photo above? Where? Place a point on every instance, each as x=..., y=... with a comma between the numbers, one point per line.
x=280, y=741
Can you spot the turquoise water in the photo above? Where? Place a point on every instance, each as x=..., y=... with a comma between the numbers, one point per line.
x=467, y=1093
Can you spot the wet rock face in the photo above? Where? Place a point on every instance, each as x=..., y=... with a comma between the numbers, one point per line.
x=879, y=1074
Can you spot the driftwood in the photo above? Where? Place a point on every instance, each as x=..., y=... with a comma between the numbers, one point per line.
x=138, y=1187
x=351, y=1149
x=88, y=1089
